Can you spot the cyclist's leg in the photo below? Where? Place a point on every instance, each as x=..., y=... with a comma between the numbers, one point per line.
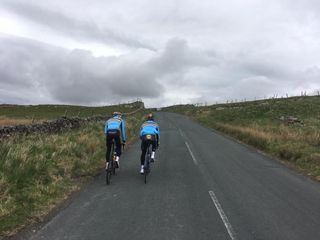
x=143, y=150
x=108, y=143
x=143, y=153
x=118, y=145
x=157, y=142
x=154, y=147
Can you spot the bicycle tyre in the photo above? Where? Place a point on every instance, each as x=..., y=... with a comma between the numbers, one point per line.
x=108, y=176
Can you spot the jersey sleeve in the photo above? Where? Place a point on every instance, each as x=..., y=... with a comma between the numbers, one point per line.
x=158, y=131
x=123, y=131
x=105, y=127
x=140, y=134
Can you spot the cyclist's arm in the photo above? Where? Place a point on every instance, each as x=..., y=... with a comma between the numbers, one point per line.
x=123, y=131
x=158, y=132
x=106, y=131
x=106, y=127
x=140, y=134
x=141, y=131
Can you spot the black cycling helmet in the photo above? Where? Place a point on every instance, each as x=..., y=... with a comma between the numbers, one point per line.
x=116, y=114
x=150, y=117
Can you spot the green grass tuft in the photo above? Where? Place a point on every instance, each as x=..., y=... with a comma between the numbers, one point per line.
x=39, y=171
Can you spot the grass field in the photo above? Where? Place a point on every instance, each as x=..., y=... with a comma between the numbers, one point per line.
x=26, y=114
x=258, y=124
x=37, y=172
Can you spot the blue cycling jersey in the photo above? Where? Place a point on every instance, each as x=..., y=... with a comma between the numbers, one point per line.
x=115, y=123
x=150, y=127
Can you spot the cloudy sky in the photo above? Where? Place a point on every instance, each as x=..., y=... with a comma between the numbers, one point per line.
x=95, y=52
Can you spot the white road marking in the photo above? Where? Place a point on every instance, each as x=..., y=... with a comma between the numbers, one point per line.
x=191, y=153
x=213, y=197
x=222, y=215
x=181, y=133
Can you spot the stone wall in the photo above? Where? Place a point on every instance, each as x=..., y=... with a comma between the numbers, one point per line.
x=54, y=126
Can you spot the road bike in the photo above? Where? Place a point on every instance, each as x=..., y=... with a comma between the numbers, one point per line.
x=111, y=170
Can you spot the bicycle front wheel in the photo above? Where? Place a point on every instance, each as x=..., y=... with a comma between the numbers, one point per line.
x=108, y=176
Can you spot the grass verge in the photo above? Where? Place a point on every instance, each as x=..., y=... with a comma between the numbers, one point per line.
x=38, y=172
x=257, y=124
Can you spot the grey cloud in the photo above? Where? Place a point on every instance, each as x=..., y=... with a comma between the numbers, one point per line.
x=93, y=79
x=177, y=73
x=259, y=67
x=79, y=77
x=73, y=77
x=18, y=64
x=71, y=27
x=177, y=56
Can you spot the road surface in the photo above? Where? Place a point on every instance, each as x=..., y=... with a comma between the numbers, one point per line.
x=202, y=186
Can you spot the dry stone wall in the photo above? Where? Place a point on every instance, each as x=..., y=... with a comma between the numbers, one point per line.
x=54, y=126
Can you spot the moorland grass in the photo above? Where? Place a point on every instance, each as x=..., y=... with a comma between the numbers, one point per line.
x=258, y=124
x=37, y=172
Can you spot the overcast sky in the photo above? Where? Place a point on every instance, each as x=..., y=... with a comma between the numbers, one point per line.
x=95, y=52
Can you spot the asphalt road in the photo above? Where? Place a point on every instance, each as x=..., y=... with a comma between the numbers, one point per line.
x=202, y=186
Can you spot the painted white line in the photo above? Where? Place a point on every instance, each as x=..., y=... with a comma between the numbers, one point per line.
x=181, y=133
x=222, y=215
x=191, y=153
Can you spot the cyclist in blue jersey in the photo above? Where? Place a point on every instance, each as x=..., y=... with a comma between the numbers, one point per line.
x=149, y=127
x=114, y=128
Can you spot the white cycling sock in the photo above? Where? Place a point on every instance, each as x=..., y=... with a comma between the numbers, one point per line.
x=152, y=154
